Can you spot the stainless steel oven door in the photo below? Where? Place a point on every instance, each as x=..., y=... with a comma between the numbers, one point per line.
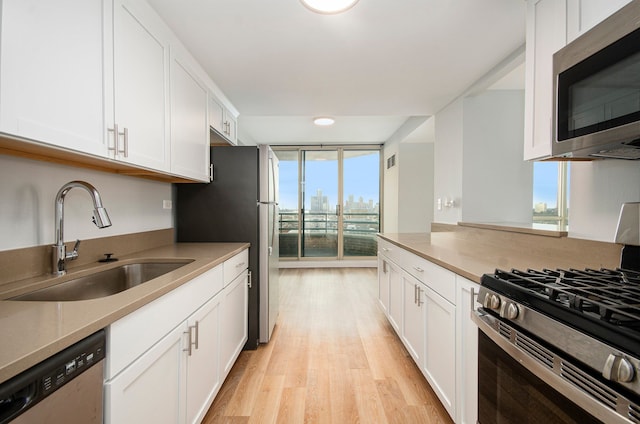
x=521, y=380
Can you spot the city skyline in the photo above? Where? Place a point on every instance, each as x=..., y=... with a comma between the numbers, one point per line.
x=361, y=179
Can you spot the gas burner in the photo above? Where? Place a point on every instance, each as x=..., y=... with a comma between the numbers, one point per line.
x=609, y=295
x=604, y=303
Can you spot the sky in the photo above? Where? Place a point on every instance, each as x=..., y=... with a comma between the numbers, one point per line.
x=545, y=183
x=361, y=178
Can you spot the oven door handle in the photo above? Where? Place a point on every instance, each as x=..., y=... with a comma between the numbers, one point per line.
x=550, y=373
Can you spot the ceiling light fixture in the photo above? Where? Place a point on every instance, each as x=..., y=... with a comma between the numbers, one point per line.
x=329, y=7
x=323, y=121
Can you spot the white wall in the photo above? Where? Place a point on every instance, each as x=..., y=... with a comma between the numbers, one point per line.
x=391, y=178
x=497, y=185
x=447, y=176
x=28, y=194
x=478, y=160
x=408, y=186
x=415, y=189
x=597, y=190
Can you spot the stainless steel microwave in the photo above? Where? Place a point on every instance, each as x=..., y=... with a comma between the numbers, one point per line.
x=596, y=108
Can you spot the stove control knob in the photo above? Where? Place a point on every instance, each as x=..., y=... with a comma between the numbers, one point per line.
x=491, y=301
x=509, y=311
x=617, y=368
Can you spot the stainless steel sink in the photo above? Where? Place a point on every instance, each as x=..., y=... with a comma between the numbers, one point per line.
x=103, y=283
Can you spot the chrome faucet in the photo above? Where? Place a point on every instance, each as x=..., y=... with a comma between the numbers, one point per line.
x=100, y=218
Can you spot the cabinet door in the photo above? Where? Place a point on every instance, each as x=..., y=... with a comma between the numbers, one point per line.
x=51, y=72
x=216, y=114
x=440, y=355
x=546, y=34
x=466, y=354
x=395, y=297
x=203, y=368
x=413, y=327
x=151, y=389
x=231, y=124
x=189, y=129
x=582, y=15
x=140, y=86
x=383, y=283
x=234, y=319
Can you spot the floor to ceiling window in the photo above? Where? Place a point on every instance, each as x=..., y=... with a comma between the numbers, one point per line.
x=329, y=202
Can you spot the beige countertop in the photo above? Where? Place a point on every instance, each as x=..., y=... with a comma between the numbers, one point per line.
x=476, y=252
x=32, y=331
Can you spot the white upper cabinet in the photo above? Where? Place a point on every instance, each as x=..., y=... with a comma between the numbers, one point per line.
x=51, y=72
x=140, y=87
x=582, y=15
x=551, y=25
x=109, y=79
x=189, y=129
x=546, y=34
x=222, y=120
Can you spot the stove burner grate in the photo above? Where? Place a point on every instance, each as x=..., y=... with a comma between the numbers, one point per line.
x=612, y=296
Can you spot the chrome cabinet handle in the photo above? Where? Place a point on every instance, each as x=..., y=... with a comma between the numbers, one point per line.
x=125, y=134
x=240, y=264
x=419, y=297
x=188, y=349
x=197, y=329
x=191, y=341
x=386, y=249
x=116, y=141
x=417, y=268
x=116, y=133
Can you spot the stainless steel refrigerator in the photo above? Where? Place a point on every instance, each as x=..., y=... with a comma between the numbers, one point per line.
x=239, y=205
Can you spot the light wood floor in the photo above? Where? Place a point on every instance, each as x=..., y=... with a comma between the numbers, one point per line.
x=333, y=358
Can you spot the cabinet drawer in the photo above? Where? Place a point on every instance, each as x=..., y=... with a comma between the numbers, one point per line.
x=235, y=266
x=131, y=336
x=440, y=280
x=389, y=250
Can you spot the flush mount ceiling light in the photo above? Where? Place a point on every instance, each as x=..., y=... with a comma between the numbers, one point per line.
x=323, y=121
x=329, y=7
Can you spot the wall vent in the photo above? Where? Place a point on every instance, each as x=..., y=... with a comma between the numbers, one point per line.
x=391, y=161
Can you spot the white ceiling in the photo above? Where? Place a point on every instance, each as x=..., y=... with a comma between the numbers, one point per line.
x=371, y=67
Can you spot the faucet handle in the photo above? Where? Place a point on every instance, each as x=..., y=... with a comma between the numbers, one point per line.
x=73, y=255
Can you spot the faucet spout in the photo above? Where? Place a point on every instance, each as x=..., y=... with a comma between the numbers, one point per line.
x=100, y=218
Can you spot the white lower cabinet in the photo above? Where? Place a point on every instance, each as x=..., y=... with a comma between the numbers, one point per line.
x=395, y=297
x=440, y=354
x=203, y=359
x=383, y=284
x=413, y=324
x=168, y=359
x=234, y=329
x=430, y=309
x=466, y=353
x=151, y=389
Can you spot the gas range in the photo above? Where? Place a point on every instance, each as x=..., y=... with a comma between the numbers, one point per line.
x=580, y=326
x=602, y=303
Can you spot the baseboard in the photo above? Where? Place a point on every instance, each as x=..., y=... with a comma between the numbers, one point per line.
x=367, y=263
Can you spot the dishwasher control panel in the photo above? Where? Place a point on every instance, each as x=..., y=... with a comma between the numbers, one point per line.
x=25, y=390
x=72, y=364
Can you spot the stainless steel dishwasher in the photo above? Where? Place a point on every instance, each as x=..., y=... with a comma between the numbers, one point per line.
x=65, y=388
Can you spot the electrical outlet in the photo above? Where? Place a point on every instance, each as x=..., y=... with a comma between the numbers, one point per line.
x=167, y=204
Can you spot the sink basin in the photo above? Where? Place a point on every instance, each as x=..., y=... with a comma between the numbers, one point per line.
x=103, y=283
